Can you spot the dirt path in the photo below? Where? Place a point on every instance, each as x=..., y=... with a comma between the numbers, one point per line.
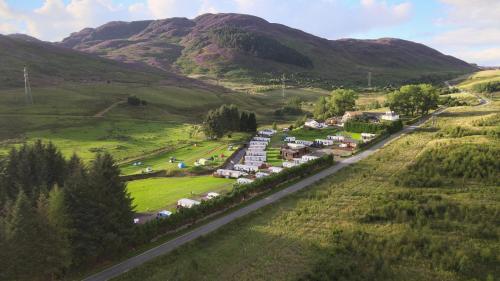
x=106, y=110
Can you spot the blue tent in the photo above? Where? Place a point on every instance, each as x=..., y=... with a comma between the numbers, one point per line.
x=181, y=165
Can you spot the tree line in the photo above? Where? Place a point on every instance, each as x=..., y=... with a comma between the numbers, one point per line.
x=227, y=118
x=59, y=214
x=339, y=101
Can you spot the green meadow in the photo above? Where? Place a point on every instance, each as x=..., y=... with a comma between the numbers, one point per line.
x=162, y=193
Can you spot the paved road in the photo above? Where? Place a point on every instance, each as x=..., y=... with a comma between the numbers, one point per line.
x=235, y=159
x=167, y=247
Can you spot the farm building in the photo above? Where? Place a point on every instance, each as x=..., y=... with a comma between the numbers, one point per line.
x=390, y=116
x=246, y=168
x=244, y=181
x=252, y=158
x=324, y=142
x=275, y=170
x=261, y=175
x=212, y=195
x=187, y=203
x=336, y=138
x=289, y=154
x=230, y=173
x=304, y=142
x=348, y=115
x=289, y=139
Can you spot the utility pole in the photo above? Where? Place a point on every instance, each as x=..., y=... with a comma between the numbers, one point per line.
x=27, y=87
x=283, y=85
x=369, y=79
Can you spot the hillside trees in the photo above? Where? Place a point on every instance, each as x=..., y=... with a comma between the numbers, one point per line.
x=228, y=119
x=414, y=99
x=64, y=215
x=340, y=101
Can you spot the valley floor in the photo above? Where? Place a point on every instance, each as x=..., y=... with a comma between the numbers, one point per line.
x=292, y=238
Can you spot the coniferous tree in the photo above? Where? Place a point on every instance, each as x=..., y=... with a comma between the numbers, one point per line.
x=252, y=122
x=113, y=205
x=244, y=122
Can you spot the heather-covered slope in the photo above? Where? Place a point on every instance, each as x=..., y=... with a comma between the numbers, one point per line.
x=240, y=45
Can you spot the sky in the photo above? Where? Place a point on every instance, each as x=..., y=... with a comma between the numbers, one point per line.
x=467, y=29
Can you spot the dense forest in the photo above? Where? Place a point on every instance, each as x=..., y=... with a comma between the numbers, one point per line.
x=259, y=46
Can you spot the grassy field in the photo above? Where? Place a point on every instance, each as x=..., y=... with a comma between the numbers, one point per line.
x=291, y=238
x=480, y=77
x=187, y=153
x=162, y=193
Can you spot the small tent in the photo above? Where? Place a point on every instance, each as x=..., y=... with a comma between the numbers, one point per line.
x=181, y=165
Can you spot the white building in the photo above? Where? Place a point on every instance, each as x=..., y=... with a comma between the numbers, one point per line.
x=275, y=170
x=253, y=158
x=336, y=138
x=290, y=139
x=187, y=203
x=324, y=142
x=244, y=181
x=246, y=168
x=261, y=175
x=390, y=116
x=230, y=173
x=311, y=123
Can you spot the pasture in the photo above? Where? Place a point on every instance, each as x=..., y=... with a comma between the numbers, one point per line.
x=154, y=194
x=288, y=239
x=479, y=78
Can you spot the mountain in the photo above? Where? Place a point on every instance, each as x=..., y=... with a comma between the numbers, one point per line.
x=49, y=63
x=240, y=46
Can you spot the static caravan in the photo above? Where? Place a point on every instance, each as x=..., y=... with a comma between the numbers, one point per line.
x=258, y=143
x=246, y=168
x=307, y=158
x=289, y=164
x=256, y=153
x=255, y=158
x=254, y=163
x=336, y=138
x=324, y=142
x=261, y=139
x=230, y=173
x=304, y=142
x=187, y=203
x=275, y=170
x=289, y=139
x=244, y=181
x=212, y=195
x=261, y=175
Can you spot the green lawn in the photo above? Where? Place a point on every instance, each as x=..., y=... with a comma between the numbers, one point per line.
x=188, y=153
x=162, y=193
x=288, y=239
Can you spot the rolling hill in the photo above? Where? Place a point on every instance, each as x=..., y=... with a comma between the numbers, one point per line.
x=238, y=46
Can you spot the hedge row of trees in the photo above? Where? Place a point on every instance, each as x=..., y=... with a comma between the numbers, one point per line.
x=227, y=118
x=488, y=87
x=57, y=215
x=152, y=229
x=446, y=164
x=359, y=255
x=356, y=126
x=414, y=99
x=135, y=101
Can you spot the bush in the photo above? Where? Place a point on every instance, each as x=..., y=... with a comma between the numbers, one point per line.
x=135, y=101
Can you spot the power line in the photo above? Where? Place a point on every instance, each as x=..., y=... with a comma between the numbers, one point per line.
x=283, y=85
